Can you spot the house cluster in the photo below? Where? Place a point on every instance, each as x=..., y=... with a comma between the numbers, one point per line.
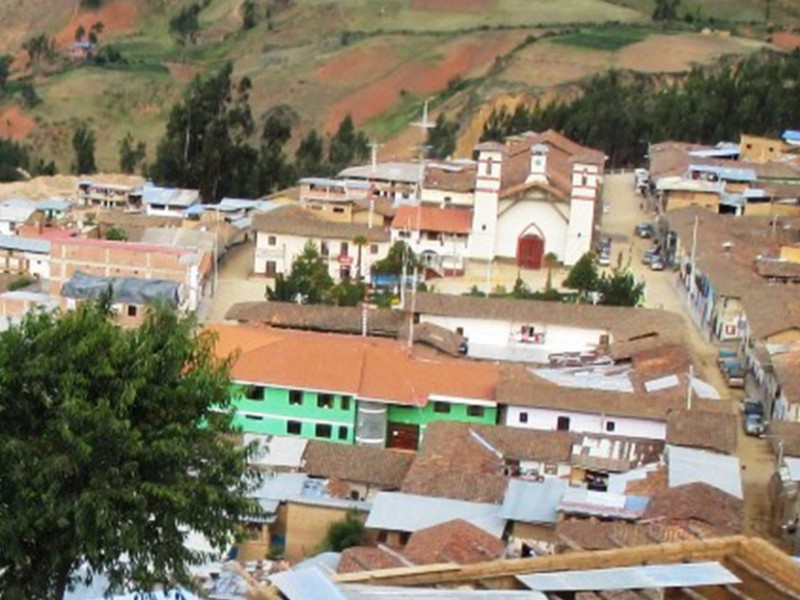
x=530, y=196
x=143, y=243
x=757, y=176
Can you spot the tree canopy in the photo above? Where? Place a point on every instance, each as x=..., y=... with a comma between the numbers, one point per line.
x=583, y=275
x=622, y=113
x=442, y=138
x=308, y=281
x=209, y=143
x=111, y=450
x=83, y=145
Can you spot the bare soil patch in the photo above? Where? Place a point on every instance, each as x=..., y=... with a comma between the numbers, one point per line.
x=181, y=72
x=786, y=40
x=117, y=17
x=359, y=65
x=454, y=5
x=15, y=124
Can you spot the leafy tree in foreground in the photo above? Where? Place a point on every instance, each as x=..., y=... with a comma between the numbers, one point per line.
x=309, y=280
x=393, y=263
x=583, y=275
x=110, y=450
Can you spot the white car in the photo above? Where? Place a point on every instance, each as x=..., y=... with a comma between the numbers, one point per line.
x=604, y=260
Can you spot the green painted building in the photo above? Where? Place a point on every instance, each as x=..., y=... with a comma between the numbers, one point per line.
x=279, y=411
x=350, y=389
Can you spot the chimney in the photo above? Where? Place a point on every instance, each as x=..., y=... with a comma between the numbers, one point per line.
x=538, y=171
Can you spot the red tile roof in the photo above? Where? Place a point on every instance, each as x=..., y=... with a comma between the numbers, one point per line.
x=430, y=218
x=455, y=541
x=374, y=368
x=363, y=558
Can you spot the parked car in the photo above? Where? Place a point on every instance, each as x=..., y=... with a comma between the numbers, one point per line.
x=656, y=264
x=648, y=256
x=604, y=260
x=754, y=424
x=753, y=407
x=734, y=377
x=644, y=230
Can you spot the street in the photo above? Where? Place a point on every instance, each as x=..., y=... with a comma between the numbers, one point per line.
x=663, y=291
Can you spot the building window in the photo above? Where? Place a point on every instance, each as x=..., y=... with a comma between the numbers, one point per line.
x=475, y=411
x=294, y=427
x=343, y=249
x=448, y=199
x=342, y=432
x=325, y=401
x=523, y=417
x=338, y=210
x=255, y=418
x=272, y=240
x=610, y=426
x=489, y=166
x=271, y=268
x=373, y=248
x=460, y=331
x=131, y=310
x=324, y=250
x=295, y=398
x=562, y=424
x=254, y=392
x=441, y=407
x=323, y=430
x=345, y=402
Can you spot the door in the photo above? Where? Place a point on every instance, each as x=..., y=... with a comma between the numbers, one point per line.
x=530, y=250
x=402, y=436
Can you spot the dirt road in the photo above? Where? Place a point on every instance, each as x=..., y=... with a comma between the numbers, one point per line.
x=234, y=283
x=663, y=290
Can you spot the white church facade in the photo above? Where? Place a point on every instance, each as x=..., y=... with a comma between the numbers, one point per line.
x=535, y=194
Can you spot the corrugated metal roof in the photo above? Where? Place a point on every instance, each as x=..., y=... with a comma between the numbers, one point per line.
x=603, y=504
x=15, y=242
x=793, y=464
x=280, y=486
x=689, y=465
x=726, y=173
x=323, y=560
x=276, y=450
x=306, y=584
x=396, y=511
x=173, y=197
x=379, y=592
x=632, y=578
x=405, y=172
x=791, y=136
x=16, y=210
x=54, y=204
x=533, y=501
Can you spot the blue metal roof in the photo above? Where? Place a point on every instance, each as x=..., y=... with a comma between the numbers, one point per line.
x=791, y=135
x=726, y=173
x=632, y=578
x=15, y=242
x=533, y=501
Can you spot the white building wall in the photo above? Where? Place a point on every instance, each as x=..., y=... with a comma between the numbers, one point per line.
x=38, y=264
x=583, y=202
x=287, y=247
x=440, y=198
x=167, y=211
x=547, y=419
x=8, y=228
x=535, y=217
x=484, y=217
x=501, y=340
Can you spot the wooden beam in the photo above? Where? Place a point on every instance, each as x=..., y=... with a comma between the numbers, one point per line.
x=758, y=573
x=675, y=552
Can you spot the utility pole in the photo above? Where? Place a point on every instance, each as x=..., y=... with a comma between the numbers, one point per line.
x=693, y=259
x=413, y=309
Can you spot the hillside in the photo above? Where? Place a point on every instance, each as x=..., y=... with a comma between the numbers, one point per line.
x=375, y=59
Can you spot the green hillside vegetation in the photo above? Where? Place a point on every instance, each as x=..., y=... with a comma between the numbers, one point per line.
x=603, y=39
x=282, y=50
